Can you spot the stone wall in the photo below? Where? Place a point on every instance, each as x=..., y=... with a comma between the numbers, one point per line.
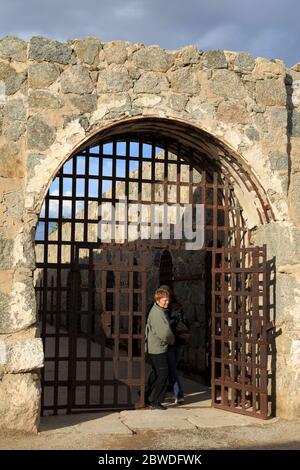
x=54, y=96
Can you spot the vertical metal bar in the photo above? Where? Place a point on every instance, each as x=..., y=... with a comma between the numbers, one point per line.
x=226, y=215
x=116, y=313
x=86, y=194
x=72, y=330
x=73, y=261
x=42, y=318
x=264, y=340
x=52, y=301
x=57, y=338
x=130, y=364
x=243, y=331
x=234, y=331
x=213, y=299
x=215, y=210
x=89, y=315
x=143, y=323
x=113, y=191
x=100, y=171
x=103, y=362
x=255, y=313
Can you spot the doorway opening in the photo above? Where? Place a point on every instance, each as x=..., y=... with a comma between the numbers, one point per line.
x=101, y=254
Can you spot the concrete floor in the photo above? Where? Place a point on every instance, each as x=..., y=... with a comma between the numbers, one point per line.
x=194, y=425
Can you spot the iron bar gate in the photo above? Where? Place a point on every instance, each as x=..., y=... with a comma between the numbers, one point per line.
x=92, y=305
x=240, y=322
x=93, y=332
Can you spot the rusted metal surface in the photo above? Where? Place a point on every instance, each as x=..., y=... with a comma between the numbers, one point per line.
x=240, y=322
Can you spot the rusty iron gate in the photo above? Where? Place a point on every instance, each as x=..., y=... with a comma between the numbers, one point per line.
x=240, y=324
x=92, y=296
x=93, y=331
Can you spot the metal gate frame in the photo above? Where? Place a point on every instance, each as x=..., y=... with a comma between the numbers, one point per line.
x=224, y=226
x=126, y=368
x=240, y=324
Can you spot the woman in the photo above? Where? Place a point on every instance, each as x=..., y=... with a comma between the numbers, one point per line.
x=159, y=337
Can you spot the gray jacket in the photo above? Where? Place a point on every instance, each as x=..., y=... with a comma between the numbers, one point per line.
x=158, y=331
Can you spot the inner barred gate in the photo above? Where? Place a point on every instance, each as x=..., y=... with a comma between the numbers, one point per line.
x=92, y=282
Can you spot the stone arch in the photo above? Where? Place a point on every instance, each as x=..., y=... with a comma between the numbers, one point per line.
x=198, y=144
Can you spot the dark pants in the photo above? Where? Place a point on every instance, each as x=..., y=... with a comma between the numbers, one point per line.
x=158, y=378
x=174, y=380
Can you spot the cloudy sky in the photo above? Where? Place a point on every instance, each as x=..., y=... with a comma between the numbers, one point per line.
x=268, y=28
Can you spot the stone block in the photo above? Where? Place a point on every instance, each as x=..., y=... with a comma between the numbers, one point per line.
x=265, y=67
x=84, y=103
x=20, y=410
x=6, y=253
x=177, y=101
x=40, y=134
x=41, y=75
x=76, y=80
x=14, y=203
x=252, y=134
x=41, y=49
x=287, y=385
x=278, y=235
x=119, y=102
x=230, y=111
x=243, y=62
x=215, y=60
x=278, y=117
x=14, y=130
x=278, y=160
x=295, y=196
x=271, y=92
x=114, y=79
x=14, y=109
x=22, y=355
x=18, y=308
x=228, y=84
x=43, y=99
x=184, y=80
x=24, y=256
x=11, y=164
x=87, y=50
x=199, y=109
x=295, y=131
x=11, y=78
x=153, y=58
x=14, y=48
x=115, y=52
x=189, y=55
x=287, y=298
x=151, y=82
x=33, y=160
x=146, y=101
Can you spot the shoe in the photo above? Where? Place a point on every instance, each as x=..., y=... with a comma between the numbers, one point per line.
x=179, y=400
x=157, y=406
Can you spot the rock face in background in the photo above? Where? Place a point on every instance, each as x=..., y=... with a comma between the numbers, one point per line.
x=55, y=95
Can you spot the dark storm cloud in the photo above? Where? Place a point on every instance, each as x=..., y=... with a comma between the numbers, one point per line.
x=267, y=28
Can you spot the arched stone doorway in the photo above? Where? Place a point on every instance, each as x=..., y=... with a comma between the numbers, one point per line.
x=227, y=108
x=97, y=362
